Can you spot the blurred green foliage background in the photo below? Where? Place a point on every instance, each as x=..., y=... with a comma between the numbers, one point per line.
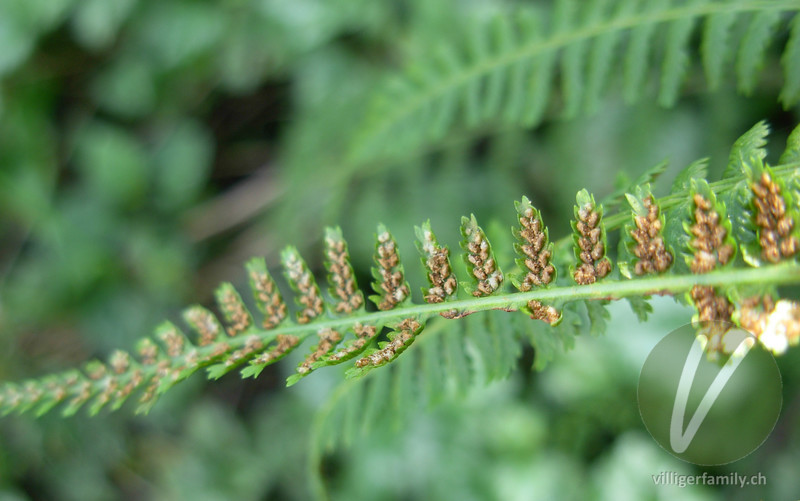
x=148, y=147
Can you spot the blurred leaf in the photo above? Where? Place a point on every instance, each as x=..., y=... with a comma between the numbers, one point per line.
x=182, y=161
x=16, y=44
x=246, y=53
x=25, y=195
x=95, y=22
x=175, y=33
x=12, y=495
x=35, y=15
x=113, y=162
x=159, y=260
x=310, y=21
x=125, y=88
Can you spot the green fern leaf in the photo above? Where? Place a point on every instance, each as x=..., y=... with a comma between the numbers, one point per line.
x=456, y=364
x=649, y=176
x=432, y=379
x=753, y=48
x=792, y=152
x=503, y=70
x=572, y=65
x=502, y=40
x=751, y=145
x=695, y=170
x=496, y=350
x=541, y=76
x=444, y=115
x=505, y=331
x=549, y=342
x=676, y=59
x=637, y=58
x=641, y=307
x=375, y=401
x=790, y=94
x=598, y=316
x=715, y=47
x=404, y=389
x=352, y=415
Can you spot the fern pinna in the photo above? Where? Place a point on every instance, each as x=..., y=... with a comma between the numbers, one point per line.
x=723, y=247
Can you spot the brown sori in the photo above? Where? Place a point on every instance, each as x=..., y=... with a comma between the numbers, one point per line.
x=265, y=293
x=328, y=338
x=536, y=252
x=345, y=293
x=436, y=258
x=390, y=282
x=405, y=332
x=710, y=244
x=204, y=323
x=233, y=309
x=712, y=247
x=252, y=345
x=173, y=339
x=650, y=249
x=364, y=333
x=147, y=351
x=119, y=361
x=532, y=234
x=480, y=259
x=545, y=312
x=285, y=343
x=775, y=225
x=710, y=306
x=443, y=281
x=302, y=281
x=589, y=241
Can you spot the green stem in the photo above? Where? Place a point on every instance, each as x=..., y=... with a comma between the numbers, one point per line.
x=613, y=289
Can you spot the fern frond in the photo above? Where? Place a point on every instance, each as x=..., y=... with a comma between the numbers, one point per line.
x=504, y=70
x=761, y=199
